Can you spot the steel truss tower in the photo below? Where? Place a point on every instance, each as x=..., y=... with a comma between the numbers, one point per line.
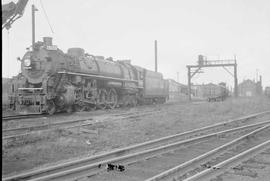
x=203, y=63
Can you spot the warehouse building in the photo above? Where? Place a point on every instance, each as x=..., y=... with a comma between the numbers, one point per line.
x=177, y=91
x=249, y=88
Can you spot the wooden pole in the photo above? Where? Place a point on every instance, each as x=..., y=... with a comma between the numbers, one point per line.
x=156, y=56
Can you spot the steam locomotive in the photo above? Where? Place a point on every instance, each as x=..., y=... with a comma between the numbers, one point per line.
x=52, y=81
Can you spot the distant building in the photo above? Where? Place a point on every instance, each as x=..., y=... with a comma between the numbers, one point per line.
x=249, y=88
x=177, y=90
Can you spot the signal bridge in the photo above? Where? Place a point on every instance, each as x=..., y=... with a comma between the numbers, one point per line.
x=203, y=62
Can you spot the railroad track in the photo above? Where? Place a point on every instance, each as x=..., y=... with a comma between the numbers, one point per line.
x=95, y=164
x=10, y=134
x=13, y=133
x=23, y=116
x=215, y=162
x=221, y=167
x=29, y=116
x=255, y=167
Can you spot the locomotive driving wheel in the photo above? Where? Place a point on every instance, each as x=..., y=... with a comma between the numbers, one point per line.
x=80, y=107
x=92, y=107
x=51, y=107
x=112, y=99
x=69, y=109
x=102, y=97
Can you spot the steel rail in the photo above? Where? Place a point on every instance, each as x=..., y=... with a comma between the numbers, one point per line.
x=91, y=165
x=150, y=144
x=133, y=113
x=29, y=116
x=229, y=163
x=91, y=169
x=44, y=126
x=12, y=137
x=48, y=126
x=23, y=116
x=184, y=167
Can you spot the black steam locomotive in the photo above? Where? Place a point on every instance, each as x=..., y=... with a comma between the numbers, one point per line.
x=51, y=81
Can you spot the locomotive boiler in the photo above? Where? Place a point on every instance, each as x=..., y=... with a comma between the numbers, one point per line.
x=52, y=80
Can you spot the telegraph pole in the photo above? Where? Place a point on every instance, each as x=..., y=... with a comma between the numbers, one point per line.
x=33, y=24
x=155, y=55
x=235, y=78
x=189, y=83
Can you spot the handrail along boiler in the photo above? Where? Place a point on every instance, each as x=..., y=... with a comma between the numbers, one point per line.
x=52, y=80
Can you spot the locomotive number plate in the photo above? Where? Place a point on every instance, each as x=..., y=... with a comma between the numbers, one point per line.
x=53, y=47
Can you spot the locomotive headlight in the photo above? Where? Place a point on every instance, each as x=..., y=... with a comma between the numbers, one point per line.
x=27, y=62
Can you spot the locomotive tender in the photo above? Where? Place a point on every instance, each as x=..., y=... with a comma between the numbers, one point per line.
x=51, y=80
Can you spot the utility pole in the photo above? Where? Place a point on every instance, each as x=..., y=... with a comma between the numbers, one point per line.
x=257, y=72
x=33, y=24
x=235, y=78
x=177, y=76
x=155, y=55
x=189, y=84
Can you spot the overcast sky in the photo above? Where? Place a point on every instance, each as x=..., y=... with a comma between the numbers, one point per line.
x=126, y=29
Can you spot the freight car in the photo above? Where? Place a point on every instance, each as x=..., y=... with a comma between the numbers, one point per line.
x=56, y=81
x=217, y=92
x=211, y=92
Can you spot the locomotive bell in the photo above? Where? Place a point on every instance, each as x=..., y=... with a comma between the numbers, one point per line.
x=47, y=41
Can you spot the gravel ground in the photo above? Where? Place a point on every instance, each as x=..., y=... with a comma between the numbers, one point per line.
x=257, y=168
x=57, y=146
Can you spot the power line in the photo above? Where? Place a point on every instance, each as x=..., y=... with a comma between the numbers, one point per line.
x=8, y=46
x=47, y=18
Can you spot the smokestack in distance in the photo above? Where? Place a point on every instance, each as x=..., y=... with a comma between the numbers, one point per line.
x=155, y=55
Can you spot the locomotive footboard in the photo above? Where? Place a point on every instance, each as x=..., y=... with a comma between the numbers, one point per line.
x=29, y=100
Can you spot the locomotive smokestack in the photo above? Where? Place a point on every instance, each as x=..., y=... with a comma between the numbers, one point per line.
x=47, y=41
x=155, y=55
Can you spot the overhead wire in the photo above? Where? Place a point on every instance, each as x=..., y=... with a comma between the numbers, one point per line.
x=46, y=16
x=8, y=46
